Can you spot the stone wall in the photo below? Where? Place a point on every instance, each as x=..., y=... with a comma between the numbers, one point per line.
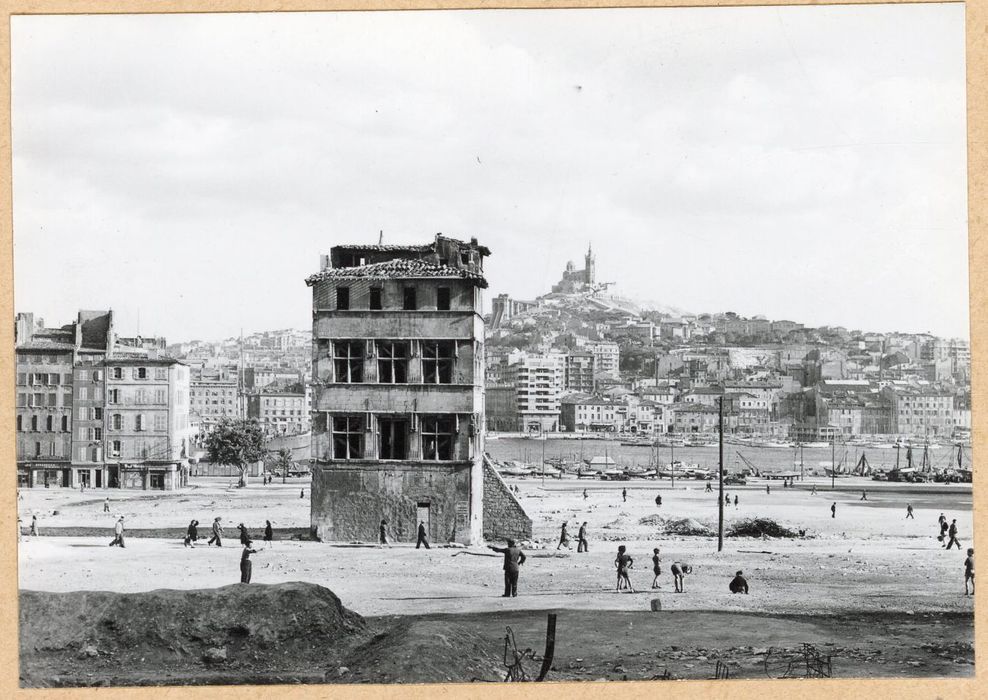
x=503, y=515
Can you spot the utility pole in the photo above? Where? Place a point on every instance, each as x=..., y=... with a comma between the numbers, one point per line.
x=672, y=461
x=801, y=476
x=720, y=477
x=833, y=461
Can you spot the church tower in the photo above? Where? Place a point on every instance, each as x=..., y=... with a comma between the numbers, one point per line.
x=588, y=270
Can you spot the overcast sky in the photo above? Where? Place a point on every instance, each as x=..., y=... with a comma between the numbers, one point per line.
x=801, y=163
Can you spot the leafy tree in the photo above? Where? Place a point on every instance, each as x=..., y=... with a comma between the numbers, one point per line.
x=236, y=442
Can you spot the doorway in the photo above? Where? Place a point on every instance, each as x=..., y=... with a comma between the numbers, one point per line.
x=157, y=480
x=422, y=516
x=84, y=478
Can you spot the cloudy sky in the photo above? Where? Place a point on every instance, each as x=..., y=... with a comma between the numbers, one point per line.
x=801, y=163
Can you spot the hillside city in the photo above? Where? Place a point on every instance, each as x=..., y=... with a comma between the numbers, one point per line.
x=578, y=359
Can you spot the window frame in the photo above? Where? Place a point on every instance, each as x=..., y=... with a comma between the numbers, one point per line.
x=343, y=298
x=390, y=364
x=438, y=437
x=409, y=299
x=376, y=304
x=435, y=364
x=347, y=432
x=346, y=364
x=441, y=303
x=392, y=434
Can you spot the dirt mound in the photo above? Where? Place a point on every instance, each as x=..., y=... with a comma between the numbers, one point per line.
x=652, y=520
x=759, y=527
x=424, y=651
x=235, y=628
x=686, y=526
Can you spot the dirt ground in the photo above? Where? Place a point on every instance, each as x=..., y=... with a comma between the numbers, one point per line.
x=847, y=579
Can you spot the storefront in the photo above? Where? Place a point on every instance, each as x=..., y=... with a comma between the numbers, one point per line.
x=44, y=474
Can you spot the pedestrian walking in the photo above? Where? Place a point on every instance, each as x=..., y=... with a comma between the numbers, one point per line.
x=727, y=499
x=106, y=505
x=942, y=520
x=624, y=563
x=738, y=584
x=245, y=563
x=244, y=537
x=909, y=511
x=582, y=536
x=513, y=559
x=217, y=533
x=656, y=568
x=301, y=493
x=584, y=494
x=833, y=510
x=969, y=571
x=658, y=500
x=864, y=496
x=422, y=540
x=118, y=530
x=624, y=495
x=813, y=490
x=192, y=534
x=768, y=489
x=563, y=538
x=944, y=527
x=383, y=533
x=709, y=488
x=953, y=535
x=268, y=531
x=34, y=526
x=735, y=500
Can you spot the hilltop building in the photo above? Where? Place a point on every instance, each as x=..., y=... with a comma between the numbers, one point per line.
x=574, y=280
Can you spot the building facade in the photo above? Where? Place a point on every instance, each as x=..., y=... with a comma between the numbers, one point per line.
x=538, y=382
x=280, y=412
x=398, y=391
x=579, y=372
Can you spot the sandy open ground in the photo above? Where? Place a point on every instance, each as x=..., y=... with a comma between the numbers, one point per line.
x=868, y=558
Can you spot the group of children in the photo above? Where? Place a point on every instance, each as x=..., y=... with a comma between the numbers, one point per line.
x=624, y=563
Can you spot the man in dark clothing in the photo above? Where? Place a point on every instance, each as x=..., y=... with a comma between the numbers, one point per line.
x=244, y=537
x=864, y=496
x=709, y=488
x=943, y=530
x=768, y=489
x=217, y=533
x=909, y=511
x=582, y=537
x=383, y=533
x=513, y=559
x=118, y=538
x=563, y=538
x=738, y=584
x=422, y=539
x=942, y=519
x=192, y=534
x=727, y=499
x=268, y=531
x=953, y=535
x=584, y=494
x=658, y=500
x=969, y=571
x=624, y=495
x=833, y=510
x=735, y=500
x=245, y=565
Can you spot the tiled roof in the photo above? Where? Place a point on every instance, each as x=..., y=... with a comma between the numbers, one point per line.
x=387, y=248
x=396, y=269
x=39, y=344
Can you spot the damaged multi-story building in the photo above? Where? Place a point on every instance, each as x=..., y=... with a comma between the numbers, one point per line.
x=398, y=391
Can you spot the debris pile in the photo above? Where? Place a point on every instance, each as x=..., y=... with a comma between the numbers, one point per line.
x=686, y=526
x=759, y=527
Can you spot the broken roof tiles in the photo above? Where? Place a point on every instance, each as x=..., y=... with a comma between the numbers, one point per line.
x=400, y=268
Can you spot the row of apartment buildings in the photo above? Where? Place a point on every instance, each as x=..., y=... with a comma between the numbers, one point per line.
x=94, y=410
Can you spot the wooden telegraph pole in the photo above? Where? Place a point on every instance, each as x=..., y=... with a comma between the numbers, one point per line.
x=720, y=478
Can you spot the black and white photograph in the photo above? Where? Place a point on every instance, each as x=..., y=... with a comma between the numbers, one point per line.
x=491, y=346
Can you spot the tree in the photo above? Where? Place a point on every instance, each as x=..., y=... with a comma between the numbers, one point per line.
x=285, y=462
x=236, y=442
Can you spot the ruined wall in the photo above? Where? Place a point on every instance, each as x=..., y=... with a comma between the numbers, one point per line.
x=348, y=504
x=503, y=515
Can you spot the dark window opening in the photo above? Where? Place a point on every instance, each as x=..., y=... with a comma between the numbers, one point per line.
x=437, y=362
x=65, y=424
x=34, y=423
x=392, y=362
x=442, y=299
x=342, y=298
x=409, y=303
x=50, y=423
x=393, y=436
x=348, y=361
x=376, y=296
x=465, y=258
x=20, y=423
x=348, y=433
x=438, y=434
